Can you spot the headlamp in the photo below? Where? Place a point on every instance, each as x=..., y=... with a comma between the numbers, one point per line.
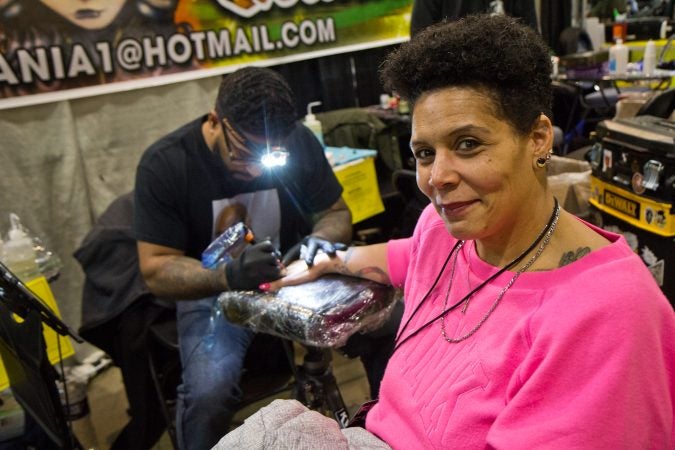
x=274, y=157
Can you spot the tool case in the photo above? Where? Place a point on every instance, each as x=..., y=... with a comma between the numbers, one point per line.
x=632, y=184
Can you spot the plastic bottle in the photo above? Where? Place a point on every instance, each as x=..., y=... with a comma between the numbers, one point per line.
x=384, y=101
x=18, y=252
x=313, y=123
x=649, y=59
x=619, y=27
x=618, y=57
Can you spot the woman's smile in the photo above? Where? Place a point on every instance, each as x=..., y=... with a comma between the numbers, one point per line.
x=456, y=210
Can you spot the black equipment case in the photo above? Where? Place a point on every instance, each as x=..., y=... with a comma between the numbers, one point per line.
x=632, y=184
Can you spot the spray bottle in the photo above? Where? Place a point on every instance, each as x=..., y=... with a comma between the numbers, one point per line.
x=18, y=252
x=313, y=123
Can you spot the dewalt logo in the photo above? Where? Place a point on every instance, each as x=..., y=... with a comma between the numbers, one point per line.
x=622, y=204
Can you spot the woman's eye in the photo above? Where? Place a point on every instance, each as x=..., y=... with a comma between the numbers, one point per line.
x=423, y=153
x=468, y=144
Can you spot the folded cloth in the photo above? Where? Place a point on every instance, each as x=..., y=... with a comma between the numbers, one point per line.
x=288, y=424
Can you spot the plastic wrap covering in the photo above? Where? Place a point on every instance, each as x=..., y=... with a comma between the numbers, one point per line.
x=321, y=313
x=229, y=245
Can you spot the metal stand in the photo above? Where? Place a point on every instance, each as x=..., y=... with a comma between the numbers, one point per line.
x=315, y=384
x=24, y=354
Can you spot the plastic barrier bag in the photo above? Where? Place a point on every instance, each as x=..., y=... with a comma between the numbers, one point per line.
x=227, y=246
x=321, y=313
x=48, y=262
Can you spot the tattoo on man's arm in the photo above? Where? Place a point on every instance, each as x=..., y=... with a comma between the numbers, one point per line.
x=570, y=257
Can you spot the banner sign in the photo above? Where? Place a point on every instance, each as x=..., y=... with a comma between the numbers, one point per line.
x=78, y=48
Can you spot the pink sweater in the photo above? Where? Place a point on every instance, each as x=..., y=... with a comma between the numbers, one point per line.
x=579, y=357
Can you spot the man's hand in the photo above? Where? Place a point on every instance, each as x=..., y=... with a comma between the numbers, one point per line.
x=309, y=247
x=257, y=264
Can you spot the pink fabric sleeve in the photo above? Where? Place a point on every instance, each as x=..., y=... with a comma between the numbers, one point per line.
x=400, y=251
x=398, y=257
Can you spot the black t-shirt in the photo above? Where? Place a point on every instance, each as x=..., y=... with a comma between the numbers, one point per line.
x=183, y=192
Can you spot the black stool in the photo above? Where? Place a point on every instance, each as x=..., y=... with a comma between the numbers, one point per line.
x=165, y=369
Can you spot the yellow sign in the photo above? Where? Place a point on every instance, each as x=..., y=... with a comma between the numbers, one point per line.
x=636, y=210
x=40, y=288
x=361, y=192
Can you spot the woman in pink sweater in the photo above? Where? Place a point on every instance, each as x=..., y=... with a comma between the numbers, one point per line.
x=524, y=326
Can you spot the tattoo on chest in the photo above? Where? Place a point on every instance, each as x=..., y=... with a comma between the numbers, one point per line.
x=570, y=257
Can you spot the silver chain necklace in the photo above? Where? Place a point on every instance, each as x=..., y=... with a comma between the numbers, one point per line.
x=542, y=246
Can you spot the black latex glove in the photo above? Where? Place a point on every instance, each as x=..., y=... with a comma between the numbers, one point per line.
x=308, y=248
x=257, y=264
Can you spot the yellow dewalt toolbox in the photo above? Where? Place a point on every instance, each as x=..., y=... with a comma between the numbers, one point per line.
x=632, y=183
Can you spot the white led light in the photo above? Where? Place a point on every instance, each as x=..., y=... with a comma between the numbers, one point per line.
x=274, y=158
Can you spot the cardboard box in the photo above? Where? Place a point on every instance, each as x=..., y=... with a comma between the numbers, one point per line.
x=569, y=181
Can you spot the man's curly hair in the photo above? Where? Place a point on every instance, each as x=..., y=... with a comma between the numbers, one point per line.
x=494, y=53
x=258, y=101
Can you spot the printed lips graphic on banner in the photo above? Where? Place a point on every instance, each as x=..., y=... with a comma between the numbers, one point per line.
x=249, y=8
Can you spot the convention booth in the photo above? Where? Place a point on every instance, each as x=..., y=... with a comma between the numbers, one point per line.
x=81, y=98
x=76, y=115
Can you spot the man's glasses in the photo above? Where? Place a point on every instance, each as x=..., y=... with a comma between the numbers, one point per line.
x=248, y=152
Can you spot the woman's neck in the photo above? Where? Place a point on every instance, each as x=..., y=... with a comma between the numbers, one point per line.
x=503, y=247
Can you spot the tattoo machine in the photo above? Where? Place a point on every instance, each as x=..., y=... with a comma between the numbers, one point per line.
x=227, y=246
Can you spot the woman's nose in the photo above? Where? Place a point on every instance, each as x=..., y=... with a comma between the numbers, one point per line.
x=443, y=172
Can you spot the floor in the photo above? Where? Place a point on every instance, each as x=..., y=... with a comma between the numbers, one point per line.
x=108, y=404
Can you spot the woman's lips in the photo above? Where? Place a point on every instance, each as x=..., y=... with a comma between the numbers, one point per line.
x=455, y=209
x=87, y=14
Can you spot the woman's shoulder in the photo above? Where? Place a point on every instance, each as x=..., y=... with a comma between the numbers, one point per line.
x=574, y=240
x=586, y=252
x=601, y=272
x=588, y=262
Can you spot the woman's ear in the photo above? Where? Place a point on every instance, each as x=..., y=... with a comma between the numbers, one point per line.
x=542, y=136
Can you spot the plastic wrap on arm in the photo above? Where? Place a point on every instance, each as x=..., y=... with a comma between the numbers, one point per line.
x=322, y=313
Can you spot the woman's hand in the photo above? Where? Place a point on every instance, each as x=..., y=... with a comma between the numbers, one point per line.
x=368, y=262
x=298, y=272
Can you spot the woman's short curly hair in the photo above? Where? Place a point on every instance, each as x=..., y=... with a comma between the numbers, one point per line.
x=257, y=100
x=494, y=53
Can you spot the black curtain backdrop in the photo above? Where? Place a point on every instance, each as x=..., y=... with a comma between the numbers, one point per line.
x=556, y=15
x=339, y=81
